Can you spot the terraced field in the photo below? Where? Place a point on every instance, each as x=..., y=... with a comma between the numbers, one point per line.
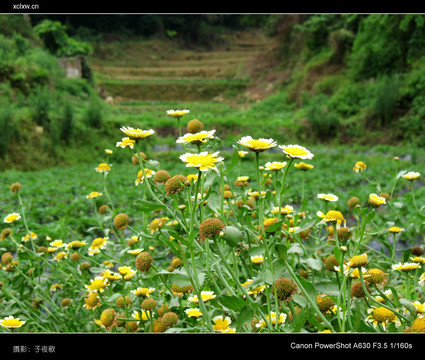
x=135, y=72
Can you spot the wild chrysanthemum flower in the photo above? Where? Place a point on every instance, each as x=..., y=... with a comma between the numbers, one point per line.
x=177, y=113
x=110, y=275
x=11, y=322
x=272, y=319
x=136, y=134
x=108, y=318
x=242, y=153
x=418, y=259
x=376, y=200
x=275, y=165
x=97, y=245
x=103, y=168
x=11, y=218
x=327, y=197
x=296, y=152
x=205, y=296
x=420, y=307
x=257, y=259
x=142, y=316
x=221, y=323
x=57, y=244
x=359, y=166
x=92, y=301
x=256, y=290
x=197, y=138
x=358, y=261
x=93, y=194
x=140, y=178
x=30, y=236
x=284, y=210
x=157, y=224
x=303, y=166
x=143, y=292
x=149, y=304
x=193, y=312
x=204, y=161
x=126, y=142
x=98, y=284
x=421, y=281
x=411, y=176
x=76, y=244
x=169, y=319
x=61, y=255
x=382, y=316
x=395, y=229
x=405, y=267
x=332, y=216
x=255, y=145
x=376, y=276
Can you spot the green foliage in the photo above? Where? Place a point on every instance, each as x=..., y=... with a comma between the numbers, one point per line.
x=57, y=41
x=6, y=127
x=40, y=101
x=67, y=123
x=93, y=112
x=324, y=123
x=387, y=94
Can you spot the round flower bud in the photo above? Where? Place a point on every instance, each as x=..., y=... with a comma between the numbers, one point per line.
x=5, y=233
x=144, y=261
x=123, y=302
x=285, y=289
x=161, y=176
x=42, y=249
x=37, y=302
x=131, y=326
x=163, y=309
x=103, y=209
x=85, y=265
x=324, y=302
x=108, y=318
x=175, y=184
x=6, y=258
x=344, y=233
x=121, y=221
x=75, y=257
x=375, y=276
x=194, y=126
x=119, y=321
x=158, y=326
x=417, y=251
x=149, y=304
x=135, y=158
x=66, y=302
x=357, y=290
x=330, y=263
x=169, y=319
x=353, y=202
x=209, y=228
x=386, y=196
x=15, y=187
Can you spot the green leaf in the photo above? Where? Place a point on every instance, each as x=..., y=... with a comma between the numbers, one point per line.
x=232, y=236
x=282, y=251
x=409, y=306
x=301, y=319
x=232, y=302
x=267, y=277
x=145, y=205
x=246, y=315
x=314, y=264
x=308, y=287
x=214, y=201
x=273, y=228
x=235, y=160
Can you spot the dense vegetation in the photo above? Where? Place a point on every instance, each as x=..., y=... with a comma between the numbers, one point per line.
x=336, y=79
